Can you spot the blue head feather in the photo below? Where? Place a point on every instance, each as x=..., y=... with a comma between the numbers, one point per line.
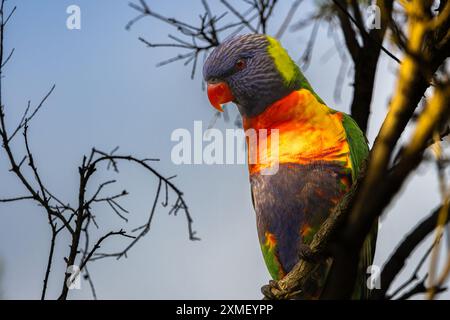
x=255, y=86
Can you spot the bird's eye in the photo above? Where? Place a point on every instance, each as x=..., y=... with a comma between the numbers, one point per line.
x=213, y=80
x=240, y=64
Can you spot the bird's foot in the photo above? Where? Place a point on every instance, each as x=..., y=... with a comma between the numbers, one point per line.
x=266, y=290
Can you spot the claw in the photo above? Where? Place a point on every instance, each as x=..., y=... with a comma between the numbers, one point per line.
x=274, y=284
x=266, y=290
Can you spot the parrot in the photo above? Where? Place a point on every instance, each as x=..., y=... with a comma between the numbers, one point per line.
x=320, y=152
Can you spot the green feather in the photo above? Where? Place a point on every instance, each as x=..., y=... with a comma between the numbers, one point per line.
x=291, y=73
x=271, y=261
x=287, y=68
x=359, y=151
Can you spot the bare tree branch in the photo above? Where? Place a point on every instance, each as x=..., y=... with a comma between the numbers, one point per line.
x=61, y=215
x=398, y=258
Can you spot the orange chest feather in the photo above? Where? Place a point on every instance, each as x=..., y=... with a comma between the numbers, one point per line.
x=307, y=131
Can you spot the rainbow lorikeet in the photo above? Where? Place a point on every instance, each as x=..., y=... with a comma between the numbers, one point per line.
x=320, y=151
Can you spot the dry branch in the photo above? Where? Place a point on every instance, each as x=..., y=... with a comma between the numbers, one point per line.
x=61, y=215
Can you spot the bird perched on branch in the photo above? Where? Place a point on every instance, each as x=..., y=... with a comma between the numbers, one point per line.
x=320, y=151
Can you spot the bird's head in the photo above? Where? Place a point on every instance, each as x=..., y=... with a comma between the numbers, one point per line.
x=252, y=71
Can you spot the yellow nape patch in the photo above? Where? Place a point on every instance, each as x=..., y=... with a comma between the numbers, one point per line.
x=282, y=60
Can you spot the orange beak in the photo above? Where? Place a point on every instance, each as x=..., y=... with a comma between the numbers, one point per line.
x=218, y=94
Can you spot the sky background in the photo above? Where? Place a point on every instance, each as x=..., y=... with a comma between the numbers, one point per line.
x=109, y=93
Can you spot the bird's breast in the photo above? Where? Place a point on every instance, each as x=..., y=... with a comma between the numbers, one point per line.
x=297, y=129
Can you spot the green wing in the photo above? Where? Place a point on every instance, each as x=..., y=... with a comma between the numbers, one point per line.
x=359, y=150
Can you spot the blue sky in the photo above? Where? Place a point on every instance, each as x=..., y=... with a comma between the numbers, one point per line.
x=108, y=93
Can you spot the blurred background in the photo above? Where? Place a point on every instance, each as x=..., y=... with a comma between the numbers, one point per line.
x=109, y=93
